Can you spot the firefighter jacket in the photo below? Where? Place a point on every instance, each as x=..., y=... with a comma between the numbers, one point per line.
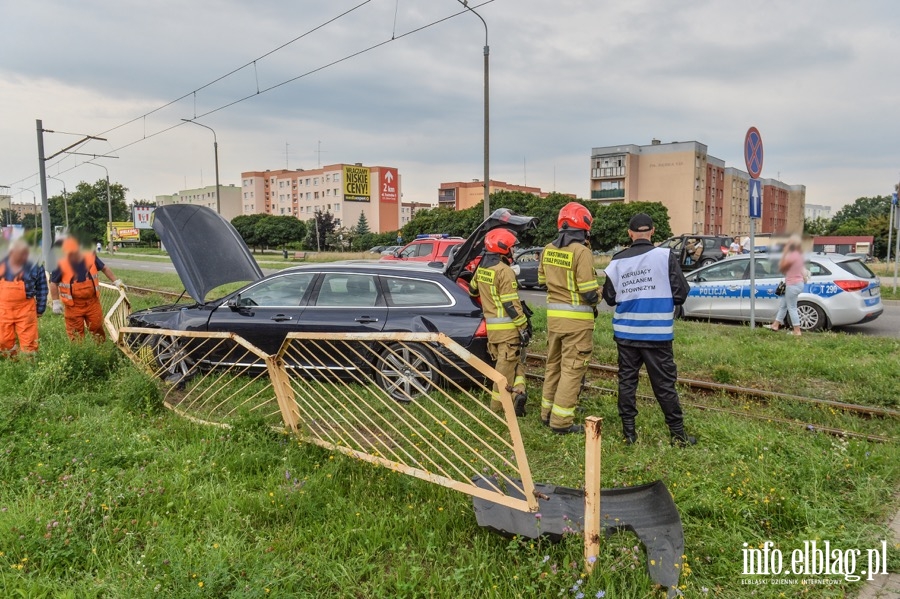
x=568, y=272
x=495, y=283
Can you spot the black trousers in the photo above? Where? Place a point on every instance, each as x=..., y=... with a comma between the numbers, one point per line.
x=660, y=362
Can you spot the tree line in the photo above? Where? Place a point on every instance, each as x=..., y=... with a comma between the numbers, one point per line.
x=865, y=216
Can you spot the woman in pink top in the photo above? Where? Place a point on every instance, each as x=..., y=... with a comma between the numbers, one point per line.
x=791, y=266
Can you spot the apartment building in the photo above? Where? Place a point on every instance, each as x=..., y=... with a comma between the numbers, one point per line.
x=703, y=195
x=460, y=195
x=814, y=211
x=409, y=209
x=229, y=199
x=344, y=190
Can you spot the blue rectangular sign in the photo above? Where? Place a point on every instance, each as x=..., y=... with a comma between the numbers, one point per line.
x=755, y=198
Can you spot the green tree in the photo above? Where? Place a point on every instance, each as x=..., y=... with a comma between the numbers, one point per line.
x=318, y=229
x=9, y=217
x=279, y=231
x=149, y=237
x=31, y=221
x=611, y=223
x=88, y=209
x=865, y=216
x=816, y=226
x=362, y=225
x=245, y=225
x=863, y=208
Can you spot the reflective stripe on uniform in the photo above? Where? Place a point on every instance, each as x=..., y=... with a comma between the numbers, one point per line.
x=563, y=412
x=588, y=286
x=546, y=403
x=520, y=321
x=643, y=330
x=569, y=314
x=509, y=297
x=519, y=382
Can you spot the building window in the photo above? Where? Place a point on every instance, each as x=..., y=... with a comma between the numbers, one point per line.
x=337, y=207
x=335, y=191
x=316, y=195
x=327, y=178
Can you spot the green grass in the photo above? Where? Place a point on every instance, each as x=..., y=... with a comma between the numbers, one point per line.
x=107, y=495
x=269, y=260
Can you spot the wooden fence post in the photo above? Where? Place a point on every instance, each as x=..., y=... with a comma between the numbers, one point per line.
x=592, y=520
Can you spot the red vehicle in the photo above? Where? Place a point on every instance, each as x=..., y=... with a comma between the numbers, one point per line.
x=427, y=248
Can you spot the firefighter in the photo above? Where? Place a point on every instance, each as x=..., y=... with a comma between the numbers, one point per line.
x=567, y=269
x=75, y=289
x=507, y=324
x=23, y=298
x=645, y=283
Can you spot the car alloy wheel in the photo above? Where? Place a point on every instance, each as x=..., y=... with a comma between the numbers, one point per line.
x=811, y=317
x=172, y=357
x=406, y=371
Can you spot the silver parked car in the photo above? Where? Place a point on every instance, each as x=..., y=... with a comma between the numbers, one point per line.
x=841, y=291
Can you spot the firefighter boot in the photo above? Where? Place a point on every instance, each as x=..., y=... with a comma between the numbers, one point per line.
x=679, y=438
x=572, y=429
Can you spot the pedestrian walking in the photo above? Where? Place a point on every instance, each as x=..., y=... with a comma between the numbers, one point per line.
x=645, y=283
x=23, y=299
x=75, y=289
x=567, y=269
x=735, y=247
x=507, y=324
x=792, y=266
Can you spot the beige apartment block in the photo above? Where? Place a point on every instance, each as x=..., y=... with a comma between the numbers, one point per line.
x=344, y=190
x=701, y=193
x=460, y=195
x=229, y=197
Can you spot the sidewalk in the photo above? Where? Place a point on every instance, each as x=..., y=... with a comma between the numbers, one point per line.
x=885, y=587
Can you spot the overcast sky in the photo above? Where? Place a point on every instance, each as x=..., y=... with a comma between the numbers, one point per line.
x=820, y=79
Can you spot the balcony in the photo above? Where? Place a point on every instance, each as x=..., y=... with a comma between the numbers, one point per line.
x=608, y=172
x=608, y=194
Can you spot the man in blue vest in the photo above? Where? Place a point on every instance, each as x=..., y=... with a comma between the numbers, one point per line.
x=645, y=283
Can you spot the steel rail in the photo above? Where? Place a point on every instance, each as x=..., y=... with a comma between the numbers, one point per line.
x=837, y=432
x=751, y=392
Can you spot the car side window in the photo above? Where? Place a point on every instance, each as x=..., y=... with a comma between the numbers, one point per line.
x=816, y=270
x=448, y=250
x=283, y=291
x=731, y=270
x=345, y=290
x=414, y=292
x=711, y=243
x=424, y=249
x=409, y=252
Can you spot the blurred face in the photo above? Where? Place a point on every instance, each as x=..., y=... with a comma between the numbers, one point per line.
x=18, y=256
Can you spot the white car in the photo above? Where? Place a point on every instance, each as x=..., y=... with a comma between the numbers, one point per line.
x=841, y=291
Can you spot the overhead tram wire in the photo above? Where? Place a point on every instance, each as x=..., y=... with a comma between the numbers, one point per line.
x=375, y=46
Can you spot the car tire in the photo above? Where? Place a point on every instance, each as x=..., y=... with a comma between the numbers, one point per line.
x=406, y=370
x=170, y=355
x=812, y=317
x=705, y=262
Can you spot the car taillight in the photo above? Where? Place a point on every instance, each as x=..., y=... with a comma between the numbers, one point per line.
x=481, y=332
x=852, y=285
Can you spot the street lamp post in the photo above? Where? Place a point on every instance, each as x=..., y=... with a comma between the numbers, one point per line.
x=108, y=197
x=487, y=112
x=65, y=199
x=216, y=155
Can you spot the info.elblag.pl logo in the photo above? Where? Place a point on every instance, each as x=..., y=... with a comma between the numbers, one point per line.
x=816, y=562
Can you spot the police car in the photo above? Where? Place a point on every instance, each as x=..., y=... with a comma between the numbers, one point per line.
x=841, y=291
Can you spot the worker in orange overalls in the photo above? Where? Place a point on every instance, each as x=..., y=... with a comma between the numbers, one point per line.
x=75, y=289
x=23, y=298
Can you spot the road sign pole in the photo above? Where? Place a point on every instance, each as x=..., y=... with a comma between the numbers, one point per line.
x=896, y=251
x=752, y=273
x=890, y=231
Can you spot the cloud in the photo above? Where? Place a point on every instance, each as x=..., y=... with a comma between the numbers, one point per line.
x=818, y=77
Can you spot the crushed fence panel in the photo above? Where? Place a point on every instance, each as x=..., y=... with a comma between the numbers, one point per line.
x=116, y=309
x=417, y=403
x=209, y=377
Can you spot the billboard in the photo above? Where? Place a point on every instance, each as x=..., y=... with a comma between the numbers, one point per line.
x=389, y=184
x=356, y=182
x=141, y=216
x=122, y=232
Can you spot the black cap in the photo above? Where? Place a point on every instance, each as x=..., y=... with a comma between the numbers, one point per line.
x=640, y=223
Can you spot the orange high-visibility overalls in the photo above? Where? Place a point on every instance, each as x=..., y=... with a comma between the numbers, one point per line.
x=81, y=299
x=18, y=314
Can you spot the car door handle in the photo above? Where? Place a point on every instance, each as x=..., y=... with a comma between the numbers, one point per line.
x=281, y=318
x=366, y=320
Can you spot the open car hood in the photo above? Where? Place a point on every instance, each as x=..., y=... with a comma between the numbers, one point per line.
x=205, y=249
x=473, y=247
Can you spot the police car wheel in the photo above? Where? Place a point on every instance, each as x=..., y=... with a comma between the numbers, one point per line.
x=812, y=318
x=406, y=370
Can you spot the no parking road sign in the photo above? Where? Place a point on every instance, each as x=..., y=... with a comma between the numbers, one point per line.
x=753, y=152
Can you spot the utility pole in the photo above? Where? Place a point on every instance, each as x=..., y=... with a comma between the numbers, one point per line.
x=46, y=238
x=896, y=240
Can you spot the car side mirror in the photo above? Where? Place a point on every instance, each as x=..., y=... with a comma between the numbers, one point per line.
x=397, y=254
x=234, y=303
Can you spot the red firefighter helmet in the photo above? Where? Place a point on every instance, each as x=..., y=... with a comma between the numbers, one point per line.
x=500, y=241
x=574, y=216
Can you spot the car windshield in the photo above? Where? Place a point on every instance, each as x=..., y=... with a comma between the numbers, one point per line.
x=855, y=267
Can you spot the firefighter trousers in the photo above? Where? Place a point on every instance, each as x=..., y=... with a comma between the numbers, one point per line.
x=660, y=363
x=568, y=356
x=85, y=313
x=18, y=319
x=507, y=361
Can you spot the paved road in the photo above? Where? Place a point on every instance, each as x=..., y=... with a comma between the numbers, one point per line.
x=886, y=325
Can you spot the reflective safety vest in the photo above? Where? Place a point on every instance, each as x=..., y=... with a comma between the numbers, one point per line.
x=70, y=290
x=644, y=305
x=568, y=273
x=496, y=285
x=12, y=292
